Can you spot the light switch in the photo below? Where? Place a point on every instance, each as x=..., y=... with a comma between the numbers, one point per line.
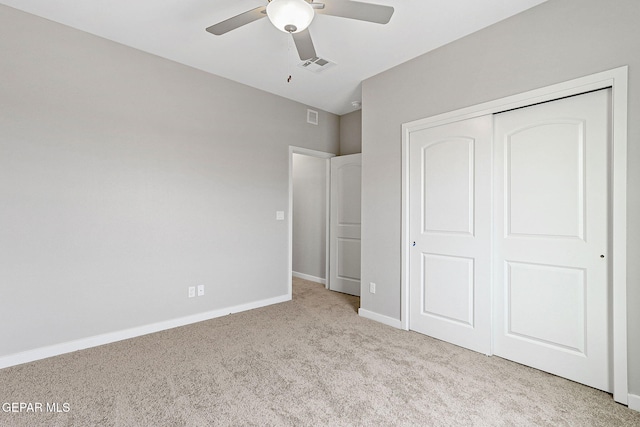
x=280, y=215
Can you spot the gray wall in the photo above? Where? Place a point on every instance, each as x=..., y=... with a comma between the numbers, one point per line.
x=351, y=133
x=125, y=178
x=554, y=42
x=309, y=215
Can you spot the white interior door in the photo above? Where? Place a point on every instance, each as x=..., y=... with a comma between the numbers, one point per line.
x=551, y=237
x=450, y=229
x=344, y=252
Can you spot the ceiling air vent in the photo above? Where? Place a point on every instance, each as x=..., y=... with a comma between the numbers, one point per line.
x=316, y=64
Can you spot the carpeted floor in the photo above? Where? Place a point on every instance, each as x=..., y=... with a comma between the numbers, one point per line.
x=309, y=362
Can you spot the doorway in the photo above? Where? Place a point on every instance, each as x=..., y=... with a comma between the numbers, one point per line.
x=309, y=218
x=309, y=175
x=324, y=219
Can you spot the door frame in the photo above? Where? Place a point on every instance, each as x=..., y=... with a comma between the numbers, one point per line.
x=321, y=155
x=617, y=80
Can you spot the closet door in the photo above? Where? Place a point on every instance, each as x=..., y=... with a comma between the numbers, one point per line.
x=450, y=231
x=551, y=253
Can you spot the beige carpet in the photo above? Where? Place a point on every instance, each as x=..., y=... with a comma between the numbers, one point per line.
x=309, y=362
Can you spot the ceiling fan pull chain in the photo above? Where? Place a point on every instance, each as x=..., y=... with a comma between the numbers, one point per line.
x=289, y=41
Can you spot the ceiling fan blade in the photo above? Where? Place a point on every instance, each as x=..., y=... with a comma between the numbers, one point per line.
x=304, y=44
x=237, y=21
x=356, y=10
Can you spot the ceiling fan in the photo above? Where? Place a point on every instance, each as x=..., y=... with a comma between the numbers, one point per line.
x=294, y=17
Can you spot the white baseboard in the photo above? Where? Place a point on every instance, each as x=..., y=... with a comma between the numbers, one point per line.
x=390, y=321
x=634, y=402
x=97, y=340
x=309, y=277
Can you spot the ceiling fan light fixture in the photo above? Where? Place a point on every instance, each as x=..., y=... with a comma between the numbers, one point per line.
x=290, y=16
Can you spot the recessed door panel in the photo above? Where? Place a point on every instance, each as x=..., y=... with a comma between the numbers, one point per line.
x=348, y=259
x=448, y=208
x=547, y=202
x=448, y=288
x=546, y=305
x=348, y=186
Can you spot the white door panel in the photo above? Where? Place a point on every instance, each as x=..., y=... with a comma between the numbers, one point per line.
x=558, y=292
x=554, y=198
x=453, y=302
x=550, y=248
x=344, y=252
x=448, y=161
x=450, y=176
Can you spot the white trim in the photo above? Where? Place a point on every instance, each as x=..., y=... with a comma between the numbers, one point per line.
x=619, y=218
x=322, y=155
x=381, y=318
x=404, y=247
x=309, y=277
x=111, y=337
x=634, y=402
x=327, y=224
x=616, y=79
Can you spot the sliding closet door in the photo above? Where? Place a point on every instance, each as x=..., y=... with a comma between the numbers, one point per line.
x=551, y=253
x=450, y=231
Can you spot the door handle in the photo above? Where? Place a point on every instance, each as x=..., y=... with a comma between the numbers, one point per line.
x=413, y=244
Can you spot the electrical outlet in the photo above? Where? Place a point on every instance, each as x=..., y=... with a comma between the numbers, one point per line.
x=192, y=291
x=200, y=290
x=372, y=287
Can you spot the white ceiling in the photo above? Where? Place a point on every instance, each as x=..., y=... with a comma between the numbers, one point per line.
x=263, y=57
